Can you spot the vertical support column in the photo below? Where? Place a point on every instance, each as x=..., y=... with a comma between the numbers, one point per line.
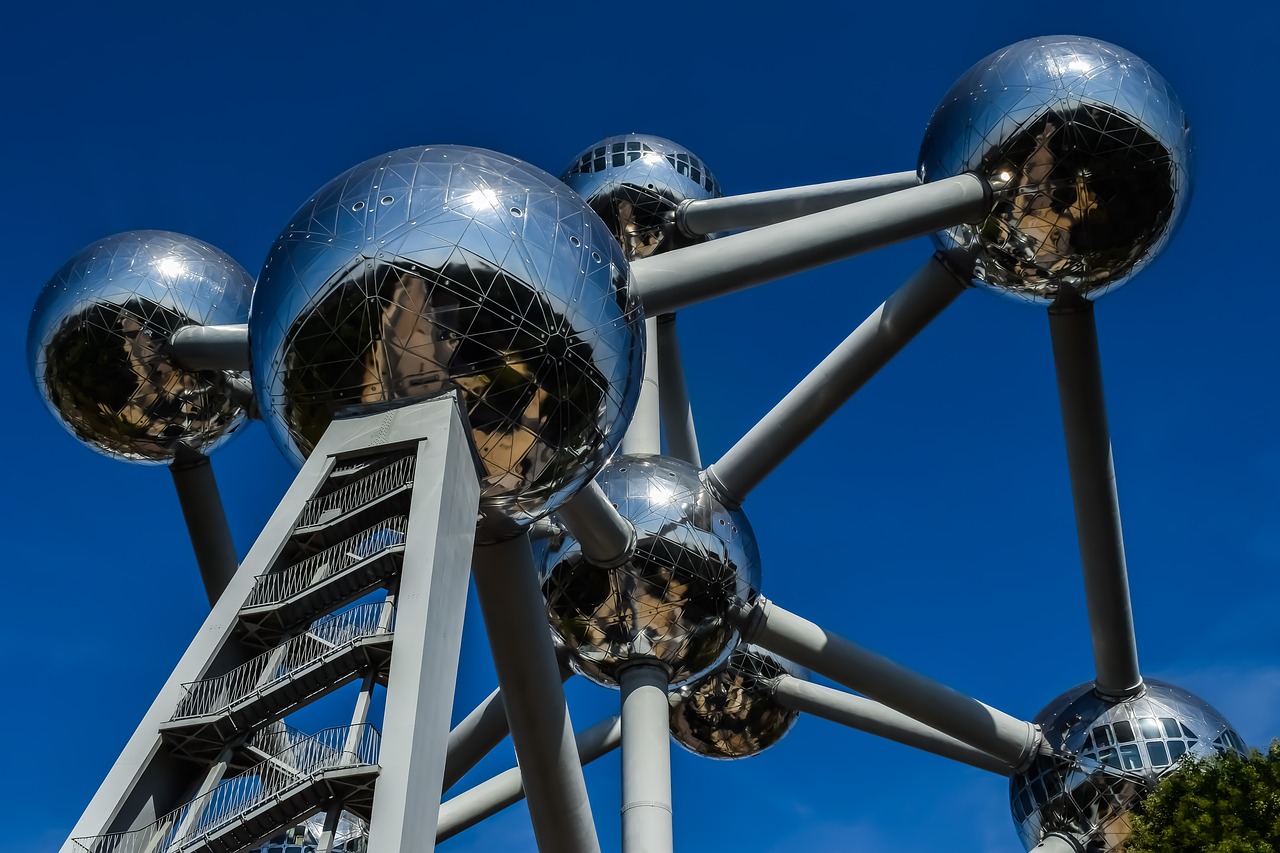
x=424, y=659
x=206, y=521
x=332, y=815
x=673, y=396
x=646, y=759
x=1093, y=490
x=533, y=695
x=644, y=435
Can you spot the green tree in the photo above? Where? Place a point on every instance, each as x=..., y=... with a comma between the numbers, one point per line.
x=1225, y=804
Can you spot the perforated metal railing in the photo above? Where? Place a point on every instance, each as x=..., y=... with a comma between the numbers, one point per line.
x=327, y=637
x=357, y=494
x=278, y=586
x=274, y=779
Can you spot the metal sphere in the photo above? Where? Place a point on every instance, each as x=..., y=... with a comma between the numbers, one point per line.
x=1107, y=756
x=442, y=268
x=1089, y=153
x=635, y=183
x=694, y=559
x=731, y=712
x=98, y=344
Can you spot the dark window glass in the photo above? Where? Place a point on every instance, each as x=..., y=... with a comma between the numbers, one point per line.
x=1037, y=785
x=1088, y=743
x=1177, y=749
x=633, y=145
x=599, y=152
x=1110, y=758
x=620, y=158
x=1131, y=757
x=1024, y=800
x=1187, y=731
x=599, y=164
x=1123, y=730
x=1159, y=755
x=1102, y=736
x=1170, y=727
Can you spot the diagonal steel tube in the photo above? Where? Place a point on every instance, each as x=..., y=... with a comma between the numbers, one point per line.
x=206, y=521
x=820, y=394
x=683, y=277
x=874, y=718
x=751, y=210
x=533, y=695
x=507, y=788
x=1093, y=490
x=606, y=538
x=966, y=719
x=673, y=396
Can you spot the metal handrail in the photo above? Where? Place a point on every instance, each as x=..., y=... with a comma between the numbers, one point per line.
x=278, y=586
x=359, y=493
x=330, y=749
x=324, y=637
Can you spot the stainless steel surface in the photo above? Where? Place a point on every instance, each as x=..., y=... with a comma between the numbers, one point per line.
x=442, y=267
x=646, y=758
x=223, y=347
x=635, y=183
x=731, y=712
x=1106, y=756
x=97, y=344
x=694, y=560
x=1089, y=152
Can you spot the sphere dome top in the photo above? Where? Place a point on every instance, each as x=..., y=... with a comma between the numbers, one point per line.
x=1089, y=153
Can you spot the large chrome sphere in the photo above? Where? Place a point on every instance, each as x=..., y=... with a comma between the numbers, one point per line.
x=731, y=712
x=444, y=268
x=694, y=559
x=98, y=350
x=635, y=183
x=1107, y=756
x=1090, y=155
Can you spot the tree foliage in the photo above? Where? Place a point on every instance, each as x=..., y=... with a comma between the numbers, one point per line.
x=1225, y=804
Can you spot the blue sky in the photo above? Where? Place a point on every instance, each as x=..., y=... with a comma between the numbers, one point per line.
x=929, y=520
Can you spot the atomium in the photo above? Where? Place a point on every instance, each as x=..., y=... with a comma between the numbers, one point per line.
x=98, y=343
x=731, y=712
x=1106, y=756
x=445, y=268
x=1088, y=152
x=694, y=559
x=636, y=183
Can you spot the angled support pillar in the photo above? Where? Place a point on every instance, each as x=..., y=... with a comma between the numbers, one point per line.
x=644, y=434
x=1009, y=739
x=752, y=210
x=1093, y=490
x=606, y=538
x=533, y=694
x=1058, y=843
x=206, y=520
x=673, y=397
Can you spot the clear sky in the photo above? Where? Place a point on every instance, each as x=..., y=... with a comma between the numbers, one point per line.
x=930, y=520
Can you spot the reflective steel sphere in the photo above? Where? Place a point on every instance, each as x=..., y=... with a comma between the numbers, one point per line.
x=444, y=268
x=98, y=350
x=731, y=713
x=1089, y=153
x=635, y=183
x=694, y=558
x=1108, y=755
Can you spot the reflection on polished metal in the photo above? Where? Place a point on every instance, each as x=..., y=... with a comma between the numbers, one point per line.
x=97, y=344
x=731, y=712
x=1106, y=756
x=442, y=267
x=694, y=559
x=636, y=183
x=451, y=343
x=1089, y=152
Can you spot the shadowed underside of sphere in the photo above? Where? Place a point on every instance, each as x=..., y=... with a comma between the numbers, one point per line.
x=731, y=712
x=635, y=183
x=1107, y=757
x=1089, y=152
x=694, y=559
x=98, y=350
x=446, y=268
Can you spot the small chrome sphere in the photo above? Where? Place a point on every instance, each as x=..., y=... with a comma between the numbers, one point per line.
x=731, y=712
x=635, y=183
x=1107, y=756
x=98, y=344
x=694, y=559
x=442, y=268
x=1089, y=153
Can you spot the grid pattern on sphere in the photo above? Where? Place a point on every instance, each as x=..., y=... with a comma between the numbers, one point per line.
x=694, y=559
x=731, y=712
x=1107, y=756
x=99, y=344
x=1089, y=152
x=438, y=269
